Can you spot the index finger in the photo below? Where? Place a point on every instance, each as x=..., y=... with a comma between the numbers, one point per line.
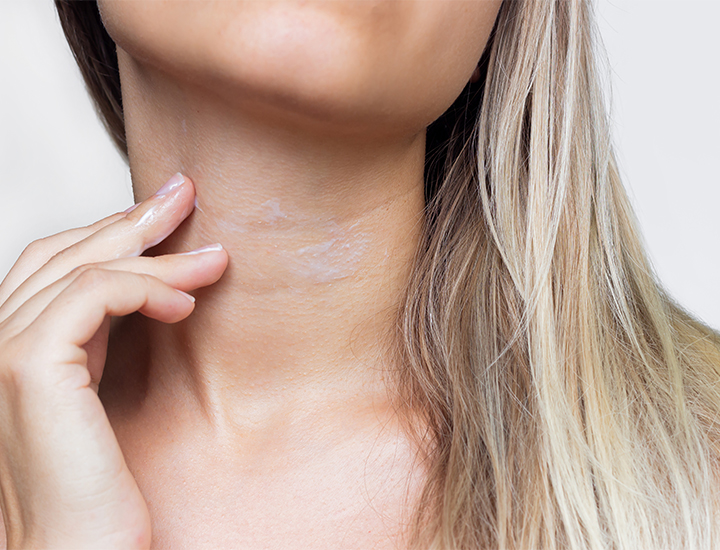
x=129, y=235
x=147, y=225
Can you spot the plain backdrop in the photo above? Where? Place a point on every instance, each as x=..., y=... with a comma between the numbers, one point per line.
x=58, y=168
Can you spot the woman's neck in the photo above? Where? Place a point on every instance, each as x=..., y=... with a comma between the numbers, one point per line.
x=320, y=222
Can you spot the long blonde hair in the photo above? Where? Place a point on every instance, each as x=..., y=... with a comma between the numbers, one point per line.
x=565, y=400
x=569, y=403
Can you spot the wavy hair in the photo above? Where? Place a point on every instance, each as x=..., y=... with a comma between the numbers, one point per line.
x=566, y=401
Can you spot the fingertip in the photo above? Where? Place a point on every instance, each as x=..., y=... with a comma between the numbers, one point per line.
x=214, y=254
x=187, y=306
x=216, y=247
x=188, y=184
x=189, y=181
x=179, y=186
x=221, y=261
x=185, y=295
x=187, y=195
x=166, y=309
x=176, y=182
x=226, y=260
x=213, y=262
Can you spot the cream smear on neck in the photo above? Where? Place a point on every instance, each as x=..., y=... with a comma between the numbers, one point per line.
x=327, y=251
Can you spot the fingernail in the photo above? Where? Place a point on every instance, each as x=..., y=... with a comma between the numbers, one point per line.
x=133, y=207
x=208, y=248
x=188, y=296
x=173, y=183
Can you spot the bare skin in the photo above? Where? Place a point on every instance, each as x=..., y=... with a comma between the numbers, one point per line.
x=260, y=416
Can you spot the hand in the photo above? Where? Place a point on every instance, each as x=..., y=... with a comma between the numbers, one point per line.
x=64, y=480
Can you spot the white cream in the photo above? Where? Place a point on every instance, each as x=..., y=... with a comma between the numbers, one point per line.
x=271, y=209
x=331, y=253
x=330, y=260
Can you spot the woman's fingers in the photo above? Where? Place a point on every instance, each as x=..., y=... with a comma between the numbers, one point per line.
x=76, y=314
x=127, y=236
x=39, y=252
x=147, y=225
x=53, y=340
x=185, y=271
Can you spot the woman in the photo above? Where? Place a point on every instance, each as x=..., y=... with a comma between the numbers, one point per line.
x=427, y=321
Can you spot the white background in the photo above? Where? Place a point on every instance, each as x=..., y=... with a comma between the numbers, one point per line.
x=58, y=169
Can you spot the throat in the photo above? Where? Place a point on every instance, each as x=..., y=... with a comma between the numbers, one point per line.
x=321, y=230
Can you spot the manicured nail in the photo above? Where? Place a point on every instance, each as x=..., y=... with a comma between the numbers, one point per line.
x=188, y=296
x=133, y=207
x=173, y=183
x=208, y=248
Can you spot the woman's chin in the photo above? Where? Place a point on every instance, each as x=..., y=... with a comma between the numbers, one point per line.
x=379, y=65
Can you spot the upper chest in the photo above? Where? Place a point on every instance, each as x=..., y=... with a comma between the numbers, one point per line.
x=328, y=491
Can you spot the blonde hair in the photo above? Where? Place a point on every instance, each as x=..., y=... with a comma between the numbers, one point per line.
x=569, y=403
x=564, y=400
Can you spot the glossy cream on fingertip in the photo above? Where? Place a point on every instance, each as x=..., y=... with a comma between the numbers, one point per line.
x=146, y=216
x=173, y=183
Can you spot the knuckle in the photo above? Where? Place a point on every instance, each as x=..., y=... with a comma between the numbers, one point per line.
x=39, y=250
x=14, y=357
x=83, y=268
x=24, y=364
x=91, y=278
x=33, y=257
x=36, y=247
x=60, y=256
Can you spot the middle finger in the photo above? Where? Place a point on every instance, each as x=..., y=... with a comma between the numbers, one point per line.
x=185, y=271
